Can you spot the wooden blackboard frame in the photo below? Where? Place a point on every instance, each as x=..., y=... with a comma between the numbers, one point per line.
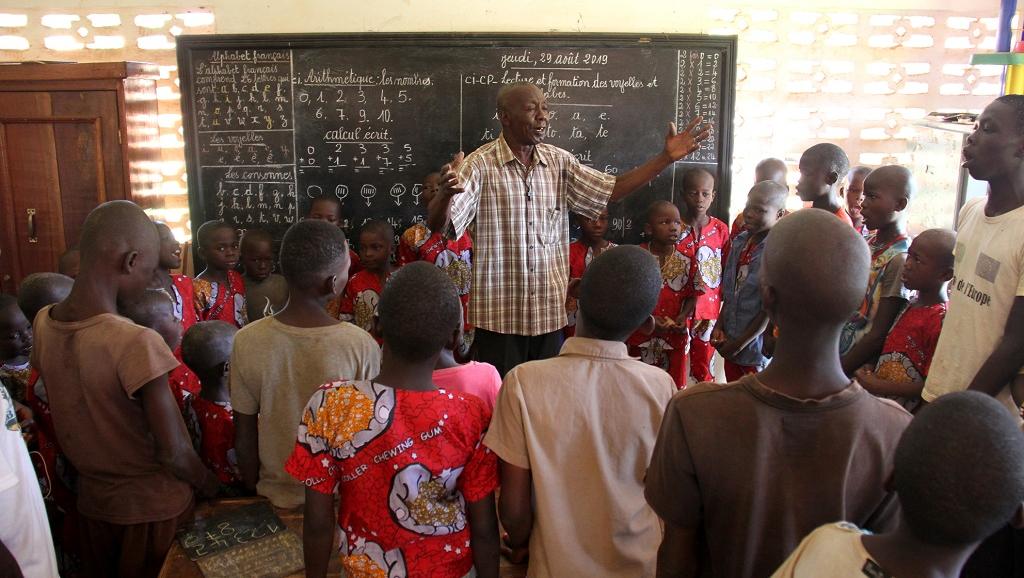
x=724, y=130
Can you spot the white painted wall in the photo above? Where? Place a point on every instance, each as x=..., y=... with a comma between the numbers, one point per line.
x=247, y=16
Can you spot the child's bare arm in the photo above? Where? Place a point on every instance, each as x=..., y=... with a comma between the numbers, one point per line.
x=869, y=346
x=755, y=328
x=317, y=532
x=878, y=386
x=1005, y=362
x=483, y=535
x=247, y=449
x=686, y=311
x=173, y=447
x=677, y=556
x=515, y=503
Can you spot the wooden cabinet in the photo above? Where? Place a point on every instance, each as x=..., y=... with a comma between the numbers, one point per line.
x=71, y=136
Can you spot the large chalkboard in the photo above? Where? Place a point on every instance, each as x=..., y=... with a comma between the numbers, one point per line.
x=274, y=121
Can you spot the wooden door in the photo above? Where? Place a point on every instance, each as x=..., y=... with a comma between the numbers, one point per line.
x=59, y=157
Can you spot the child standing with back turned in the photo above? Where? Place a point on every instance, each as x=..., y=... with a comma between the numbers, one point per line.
x=666, y=346
x=415, y=482
x=279, y=361
x=598, y=409
x=742, y=322
x=959, y=475
x=206, y=348
x=704, y=239
x=220, y=290
x=743, y=471
x=114, y=414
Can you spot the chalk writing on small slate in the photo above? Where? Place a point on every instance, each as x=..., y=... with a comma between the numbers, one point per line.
x=271, y=557
x=229, y=529
x=273, y=122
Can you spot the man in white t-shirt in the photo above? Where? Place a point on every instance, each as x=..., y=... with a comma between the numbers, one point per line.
x=982, y=342
x=25, y=531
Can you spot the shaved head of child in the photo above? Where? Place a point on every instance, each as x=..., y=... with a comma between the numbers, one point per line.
x=420, y=312
x=41, y=289
x=121, y=244
x=314, y=256
x=766, y=203
x=624, y=270
x=206, y=348
x=154, y=309
x=771, y=169
x=887, y=193
x=801, y=282
x=929, y=264
x=959, y=470
x=822, y=168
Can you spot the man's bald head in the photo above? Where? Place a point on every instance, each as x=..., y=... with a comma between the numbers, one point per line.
x=508, y=93
x=891, y=179
x=817, y=266
x=771, y=169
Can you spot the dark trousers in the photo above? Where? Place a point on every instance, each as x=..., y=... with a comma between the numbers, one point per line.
x=127, y=551
x=505, y=351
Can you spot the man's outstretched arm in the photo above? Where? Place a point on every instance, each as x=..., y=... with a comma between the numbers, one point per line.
x=677, y=146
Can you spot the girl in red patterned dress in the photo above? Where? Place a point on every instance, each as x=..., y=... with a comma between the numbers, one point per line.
x=703, y=241
x=455, y=257
x=907, y=354
x=666, y=346
x=219, y=289
x=362, y=294
x=406, y=460
x=581, y=252
x=182, y=381
x=206, y=349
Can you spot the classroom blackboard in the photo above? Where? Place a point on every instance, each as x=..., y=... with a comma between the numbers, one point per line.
x=274, y=121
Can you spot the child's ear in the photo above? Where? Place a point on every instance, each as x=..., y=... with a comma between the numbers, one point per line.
x=129, y=261
x=901, y=203
x=832, y=178
x=224, y=369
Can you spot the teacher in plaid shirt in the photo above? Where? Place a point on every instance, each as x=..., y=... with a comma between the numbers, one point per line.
x=520, y=191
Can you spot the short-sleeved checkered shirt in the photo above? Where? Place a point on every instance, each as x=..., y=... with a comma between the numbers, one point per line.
x=521, y=260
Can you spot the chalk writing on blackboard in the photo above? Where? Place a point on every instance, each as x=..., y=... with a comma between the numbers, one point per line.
x=245, y=524
x=271, y=557
x=278, y=121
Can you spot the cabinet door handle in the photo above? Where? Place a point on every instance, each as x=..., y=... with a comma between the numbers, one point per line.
x=32, y=238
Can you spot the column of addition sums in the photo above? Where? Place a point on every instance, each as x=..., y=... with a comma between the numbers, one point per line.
x=356, y=114
x=243, y=105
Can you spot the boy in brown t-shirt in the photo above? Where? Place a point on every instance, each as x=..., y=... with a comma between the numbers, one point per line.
x=114, y=414
x=755, y=465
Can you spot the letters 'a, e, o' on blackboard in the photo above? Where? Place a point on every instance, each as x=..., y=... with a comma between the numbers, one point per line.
x=275, y=121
